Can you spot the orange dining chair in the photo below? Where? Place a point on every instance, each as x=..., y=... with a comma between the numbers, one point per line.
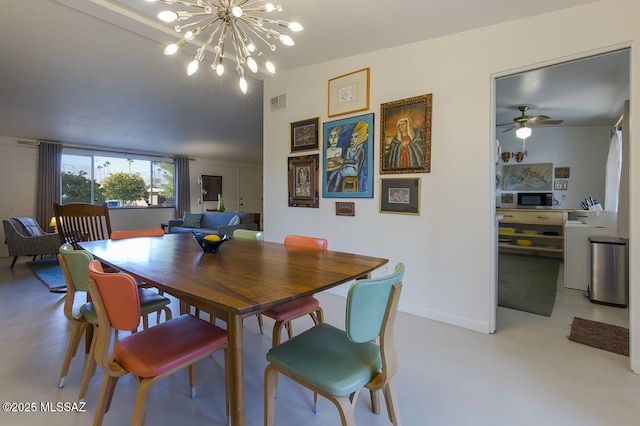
x=150, y=354
x=74, y=265
x=309, y=305
x=338, y=364
x=151, y=232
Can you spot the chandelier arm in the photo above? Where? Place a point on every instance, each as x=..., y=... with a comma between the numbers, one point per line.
x=197, y=30
x=237, y=44
x=183, y=3
x=264, y=40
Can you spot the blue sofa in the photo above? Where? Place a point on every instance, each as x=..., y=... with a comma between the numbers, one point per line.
x=215, y=223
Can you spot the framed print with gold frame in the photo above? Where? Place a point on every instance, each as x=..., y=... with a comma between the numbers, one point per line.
x=349, y=93
x=303, y=181
x=400, y=195
x=304, y=134
x=405, y=135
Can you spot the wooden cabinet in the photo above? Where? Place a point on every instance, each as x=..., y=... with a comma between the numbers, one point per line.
x=544, y=228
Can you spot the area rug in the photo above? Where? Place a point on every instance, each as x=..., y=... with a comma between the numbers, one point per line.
x=48, y=271
x=527, y=283
x=599, y=335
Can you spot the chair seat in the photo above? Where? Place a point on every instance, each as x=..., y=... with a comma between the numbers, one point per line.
x=293, y=309
x=325, y=358
x=88, y=312
x=168, y=345
x=151, y=301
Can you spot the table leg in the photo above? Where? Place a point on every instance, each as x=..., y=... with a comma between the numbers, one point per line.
x=236, y=370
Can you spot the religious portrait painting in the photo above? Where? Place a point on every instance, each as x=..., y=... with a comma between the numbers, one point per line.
x=405, y=135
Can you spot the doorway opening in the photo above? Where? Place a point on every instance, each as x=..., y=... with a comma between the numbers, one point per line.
x=571, y=109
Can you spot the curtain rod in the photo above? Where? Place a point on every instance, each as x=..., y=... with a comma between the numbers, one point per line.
x=37, y=143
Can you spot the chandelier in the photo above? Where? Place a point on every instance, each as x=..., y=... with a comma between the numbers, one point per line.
x=219, y=19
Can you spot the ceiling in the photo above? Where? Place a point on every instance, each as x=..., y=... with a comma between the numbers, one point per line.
x=92, y=72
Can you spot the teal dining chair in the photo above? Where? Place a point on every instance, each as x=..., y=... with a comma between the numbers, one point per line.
x=336, y=363
x=74, y=265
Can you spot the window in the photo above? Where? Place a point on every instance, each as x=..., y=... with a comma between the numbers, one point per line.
x=118, y=180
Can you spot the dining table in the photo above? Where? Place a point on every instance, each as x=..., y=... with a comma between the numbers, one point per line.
x=241, y=279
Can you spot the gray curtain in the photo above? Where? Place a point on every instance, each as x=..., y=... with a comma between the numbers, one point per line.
x=183, y=197
x=49, y=185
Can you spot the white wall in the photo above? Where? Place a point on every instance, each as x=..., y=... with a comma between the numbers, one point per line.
x=447, y=249
x=583, y=149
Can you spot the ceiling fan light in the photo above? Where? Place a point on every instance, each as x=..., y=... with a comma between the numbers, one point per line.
x=523, y=132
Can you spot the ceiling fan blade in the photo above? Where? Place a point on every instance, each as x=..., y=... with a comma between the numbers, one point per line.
x=548, y=122
x=504, y=124
x=538, y=118
x=513, y=126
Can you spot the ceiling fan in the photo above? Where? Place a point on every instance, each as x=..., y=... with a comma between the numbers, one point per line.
x=527, y=120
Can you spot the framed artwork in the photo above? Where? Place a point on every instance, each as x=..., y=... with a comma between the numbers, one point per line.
x=400, y=195
x=405, y=135
x=506, y=197
x=347, y=171
x=349, y=93
x=210, y=186
x=527, y=177
x=560, y=185
x=562, y=173
x=304, y=134
x=344, y=208
x=303, y=181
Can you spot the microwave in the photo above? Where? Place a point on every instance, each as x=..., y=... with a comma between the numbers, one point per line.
x=535, y=200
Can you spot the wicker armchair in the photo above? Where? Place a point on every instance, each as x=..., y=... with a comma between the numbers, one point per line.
x=24, y=237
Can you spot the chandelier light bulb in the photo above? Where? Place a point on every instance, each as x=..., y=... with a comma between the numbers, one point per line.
x=269, y=7
x=243, y=85
x=270, y=67
x=189, y=35
x=286, y=40
x=294, y=26
x=251, y=63
x=171, y=49
x=220, y=69
x=193, y=67
x=167, y=16
x=236, y=11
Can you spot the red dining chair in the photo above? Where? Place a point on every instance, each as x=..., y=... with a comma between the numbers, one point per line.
x=150, y=354
x=309, y=305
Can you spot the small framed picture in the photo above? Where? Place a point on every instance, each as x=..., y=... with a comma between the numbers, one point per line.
x=400, y=195
x=344, y=208
x=303, y=181
x=304, y=134
x=561, y=172
x=560, y=184
x=349, y=93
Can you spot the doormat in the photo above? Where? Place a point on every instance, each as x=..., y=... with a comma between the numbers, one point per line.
x=49, y=272
x=607, y=337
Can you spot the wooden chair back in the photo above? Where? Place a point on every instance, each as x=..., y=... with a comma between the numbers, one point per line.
x=301, y=241
x=82, y=222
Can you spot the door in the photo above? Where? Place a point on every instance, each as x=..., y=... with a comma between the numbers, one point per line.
x=250, y=191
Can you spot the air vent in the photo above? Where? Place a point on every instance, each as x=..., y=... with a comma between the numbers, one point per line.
x=279, y=102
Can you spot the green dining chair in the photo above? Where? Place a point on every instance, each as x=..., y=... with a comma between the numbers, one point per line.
x=337, y=364
x=74, y=265
x=248, y=234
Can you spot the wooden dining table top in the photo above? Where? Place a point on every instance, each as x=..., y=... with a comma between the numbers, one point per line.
x=243, y=278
